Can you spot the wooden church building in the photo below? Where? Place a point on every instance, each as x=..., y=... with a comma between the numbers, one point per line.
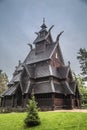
x=44, y=73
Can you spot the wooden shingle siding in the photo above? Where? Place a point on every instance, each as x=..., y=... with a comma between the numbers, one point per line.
x=43, y=73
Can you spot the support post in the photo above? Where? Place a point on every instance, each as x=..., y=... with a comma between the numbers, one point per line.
x=53, y=105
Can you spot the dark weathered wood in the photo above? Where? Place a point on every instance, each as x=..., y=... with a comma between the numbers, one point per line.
x=44, y=74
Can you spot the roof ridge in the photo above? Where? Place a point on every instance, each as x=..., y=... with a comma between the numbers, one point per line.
x=53, y=50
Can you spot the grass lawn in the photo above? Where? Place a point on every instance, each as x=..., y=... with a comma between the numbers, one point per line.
x=49, y=121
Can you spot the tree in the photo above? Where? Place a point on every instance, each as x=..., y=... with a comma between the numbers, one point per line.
x=82, y=89
x=3, y=81
x=32, y=118
x=82, y=57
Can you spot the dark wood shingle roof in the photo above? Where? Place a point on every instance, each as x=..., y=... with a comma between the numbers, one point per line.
x=34, y=58
x=10, y=91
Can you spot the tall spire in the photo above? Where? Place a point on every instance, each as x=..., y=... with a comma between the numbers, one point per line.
x=42, y=33
x=43, y=26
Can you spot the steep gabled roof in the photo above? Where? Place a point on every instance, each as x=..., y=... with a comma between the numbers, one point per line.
x=10, y=91
x=43, y=34
x=19, y=68
x=44, y=87
x=60, y=54
x=49, y=47
x=60, y=72
x=42, y=70
x=63, y=88
x=33, y=58
x=16, y=78
x=39, y=39
x=16, y=74
x=63, y=72
x=47, y=54
x=51, y=87
x=74, y=87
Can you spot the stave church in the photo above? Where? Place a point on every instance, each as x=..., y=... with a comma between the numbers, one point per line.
x=43, y=73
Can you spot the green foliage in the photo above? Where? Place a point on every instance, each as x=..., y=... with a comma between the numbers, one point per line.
x=84, y=106
x=82, y=89
x=50, y=121
x=32, y=118
x=3, y=81
x=82, y=57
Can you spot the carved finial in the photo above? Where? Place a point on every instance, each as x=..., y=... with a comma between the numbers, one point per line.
x=37, y=33
x=30, y=45
x=57, y=39
x=50, y=28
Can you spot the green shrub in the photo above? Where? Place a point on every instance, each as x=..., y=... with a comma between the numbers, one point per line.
x=84, y=106
x=32, y=118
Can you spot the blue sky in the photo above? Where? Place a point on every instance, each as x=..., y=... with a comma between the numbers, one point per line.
x=19, y=19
